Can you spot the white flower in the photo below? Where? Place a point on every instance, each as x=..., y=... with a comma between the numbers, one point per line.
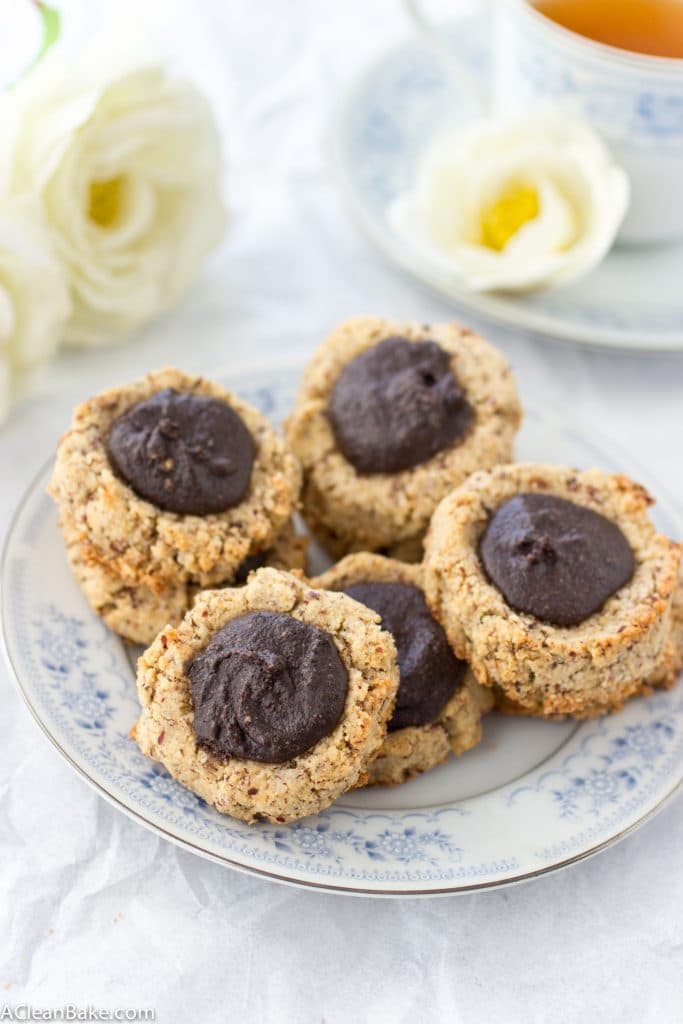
x=126, y=163
x=34, y=298
x=515, y=205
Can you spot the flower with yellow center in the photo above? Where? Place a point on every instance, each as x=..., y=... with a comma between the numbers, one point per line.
x=125, y=161
x=515, y=205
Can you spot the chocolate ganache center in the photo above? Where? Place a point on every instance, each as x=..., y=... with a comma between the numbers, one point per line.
x=396, y=405
x=429, y=671
x=554, y=559
x=266, y=687
x=185, y=453
x=250, y=564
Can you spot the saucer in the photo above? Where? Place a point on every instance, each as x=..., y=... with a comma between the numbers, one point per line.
x=631, y=301
x=531, y=798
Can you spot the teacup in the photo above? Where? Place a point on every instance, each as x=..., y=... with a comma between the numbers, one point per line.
x=633, y=100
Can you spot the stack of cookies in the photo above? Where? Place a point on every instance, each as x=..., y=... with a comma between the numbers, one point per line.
x=463, y=580
x=166, y=486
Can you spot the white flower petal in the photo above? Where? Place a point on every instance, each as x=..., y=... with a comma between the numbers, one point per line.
x=8, y=318
x=70, y=130
x=582, y=198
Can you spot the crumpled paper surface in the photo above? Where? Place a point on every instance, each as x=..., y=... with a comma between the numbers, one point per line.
x=95, y=910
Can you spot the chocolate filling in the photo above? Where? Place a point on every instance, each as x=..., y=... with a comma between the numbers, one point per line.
x=250, y=563
x=184, y=453
x=396, y=405
x=429, y=671
x=553, y=559
x=266, y=687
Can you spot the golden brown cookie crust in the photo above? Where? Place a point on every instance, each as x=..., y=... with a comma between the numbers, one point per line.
x=667, y=672
x=142, y=543
x=408, y=752
x=351, y=512
x=582, y=670
x=409, y=550
x=249, y=789
x=664, y=677
x=133, y=610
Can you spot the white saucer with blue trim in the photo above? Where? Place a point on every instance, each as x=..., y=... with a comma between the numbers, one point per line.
x=533, y=797
x=631, y=301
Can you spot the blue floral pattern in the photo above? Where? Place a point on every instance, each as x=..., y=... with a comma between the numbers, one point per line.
x=78, y=678
x=652, y=115
x=591, y=784
x=406, y=846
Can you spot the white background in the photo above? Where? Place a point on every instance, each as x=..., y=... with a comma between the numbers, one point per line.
x=93, y=909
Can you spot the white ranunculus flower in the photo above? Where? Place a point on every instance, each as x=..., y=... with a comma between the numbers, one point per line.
x=34, y=298
x=126, y=163
x=515, y=205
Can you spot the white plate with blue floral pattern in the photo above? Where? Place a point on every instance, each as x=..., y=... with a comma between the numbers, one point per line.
x=533, y=797
x=631, y=301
